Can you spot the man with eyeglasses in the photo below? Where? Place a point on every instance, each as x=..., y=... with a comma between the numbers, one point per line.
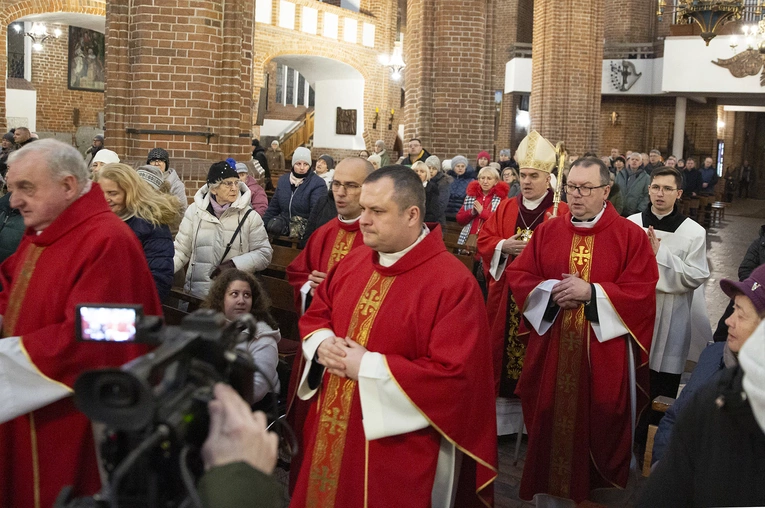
x=680, y=245
x=325, y=248
x=587, y=283
x=633, y=182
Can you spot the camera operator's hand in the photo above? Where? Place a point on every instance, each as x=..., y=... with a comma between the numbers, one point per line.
x=237, y=434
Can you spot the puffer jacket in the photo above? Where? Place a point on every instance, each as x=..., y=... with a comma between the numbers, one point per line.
x=158, y=248
x=258, y=197
x=458, y=189
x=443, y=181
x=177, y=188
x=289, y=201
x=203, y=237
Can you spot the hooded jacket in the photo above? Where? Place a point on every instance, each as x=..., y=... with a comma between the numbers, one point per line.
x=203, y=237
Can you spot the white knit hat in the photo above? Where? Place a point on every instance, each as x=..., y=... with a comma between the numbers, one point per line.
x=301, y=154
x=106, y=156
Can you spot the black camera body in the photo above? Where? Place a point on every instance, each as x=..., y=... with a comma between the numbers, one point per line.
x=154, y=407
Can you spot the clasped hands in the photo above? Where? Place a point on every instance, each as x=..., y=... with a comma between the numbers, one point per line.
x=571, y=292
x=341, y=357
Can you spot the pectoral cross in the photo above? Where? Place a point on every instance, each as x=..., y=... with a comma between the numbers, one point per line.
x=525, y=235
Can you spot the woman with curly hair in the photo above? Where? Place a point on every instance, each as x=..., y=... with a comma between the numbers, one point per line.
x=234, y=293
x=149, y=214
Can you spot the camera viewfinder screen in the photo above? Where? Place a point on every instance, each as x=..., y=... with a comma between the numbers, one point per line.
x=108, y=324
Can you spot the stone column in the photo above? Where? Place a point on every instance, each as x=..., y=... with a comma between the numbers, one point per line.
x=179, y=77
x=566, y=72
x=449, y=92
x=678, y=138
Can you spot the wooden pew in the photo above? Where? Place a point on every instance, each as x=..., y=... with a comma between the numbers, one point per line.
x=282, y=307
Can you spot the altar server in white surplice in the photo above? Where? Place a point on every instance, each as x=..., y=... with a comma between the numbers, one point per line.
x=680, y=247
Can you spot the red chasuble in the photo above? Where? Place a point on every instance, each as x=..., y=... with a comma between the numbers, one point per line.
x=508, y=350
x=426, y=325
x=87, y=255
x=325, y=248
x=575, y=391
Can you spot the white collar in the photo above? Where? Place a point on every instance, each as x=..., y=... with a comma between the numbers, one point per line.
x=752, y=361
x=347, y=221
x=389, y=259
x=589, y=224
x=653, y=211
x=532, y=205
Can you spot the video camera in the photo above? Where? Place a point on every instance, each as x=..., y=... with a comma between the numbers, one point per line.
x=154, y=407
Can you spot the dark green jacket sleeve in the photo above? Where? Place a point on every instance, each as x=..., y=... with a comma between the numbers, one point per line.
x=239, y=485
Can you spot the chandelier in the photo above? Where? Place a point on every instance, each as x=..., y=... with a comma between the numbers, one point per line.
x=395, y=61
x=754, y=37
x=38, y=33
x=709, y=14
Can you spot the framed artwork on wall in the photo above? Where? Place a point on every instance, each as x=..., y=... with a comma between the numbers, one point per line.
x=86, y=60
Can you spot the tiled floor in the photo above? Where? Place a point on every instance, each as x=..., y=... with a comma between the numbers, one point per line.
x=727, y=242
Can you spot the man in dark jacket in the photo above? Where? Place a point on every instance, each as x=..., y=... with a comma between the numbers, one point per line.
x=709, y=178
x=654, y=161
x=259, y=154
x=22, y=137
x=416, y=153
x=691, y=179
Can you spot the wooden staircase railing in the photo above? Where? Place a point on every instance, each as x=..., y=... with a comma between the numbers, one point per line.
x=299, y=135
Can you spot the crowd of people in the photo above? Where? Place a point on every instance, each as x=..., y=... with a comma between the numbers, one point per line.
x=389, y=393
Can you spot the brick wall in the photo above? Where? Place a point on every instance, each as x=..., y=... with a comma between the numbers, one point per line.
x=11, y=10
x=648, y=122
x=630, y=21
x=181, y=66
x=566, y=77
x=55, y=102
x=449, y=102
x=271, y=41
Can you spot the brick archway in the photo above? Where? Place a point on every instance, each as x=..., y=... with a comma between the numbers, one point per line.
x=362, y=61
x=10, y=11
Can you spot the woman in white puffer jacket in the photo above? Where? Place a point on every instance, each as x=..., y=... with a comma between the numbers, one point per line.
x=208, y=227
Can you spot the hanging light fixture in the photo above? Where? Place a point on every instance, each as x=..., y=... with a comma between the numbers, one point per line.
x=38, y=33
x=395, y=61
x=709, y=14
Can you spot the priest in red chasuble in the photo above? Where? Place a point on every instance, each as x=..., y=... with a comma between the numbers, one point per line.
x=502, y=239
x=402, y=404
x=586, y=283
x=75, y=250
x=325, y=248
